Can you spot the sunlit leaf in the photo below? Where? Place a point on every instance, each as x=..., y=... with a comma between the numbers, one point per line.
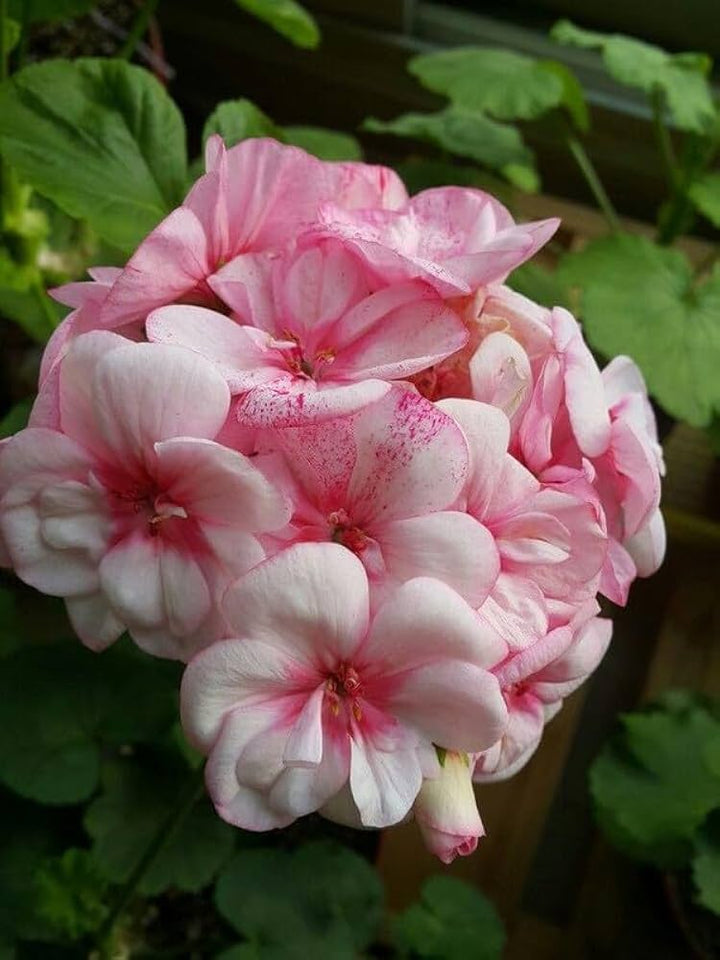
x=504, y=84
x=99, y=137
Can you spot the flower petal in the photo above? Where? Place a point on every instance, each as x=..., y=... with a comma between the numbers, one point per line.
x=217, y=484
x=311, y=601
x=149, y=392
x=384, y=784
x=450, y=546
x=424, y=622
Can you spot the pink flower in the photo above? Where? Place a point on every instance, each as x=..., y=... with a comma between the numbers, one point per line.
x=320, y=343
x=86, y=298
x=383, y=483
x=578, y=430
x=446, y=810
x=259, y=195
x=535, y=681
x=550, y=543
x=454, y=238
x=313, y=702
x=127, y=508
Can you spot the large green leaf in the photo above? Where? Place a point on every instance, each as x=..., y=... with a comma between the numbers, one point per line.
x=322, y=901
x=236, y=120
x=539, y=284
x=681, y=77
x=507, y=85
x=32, y=10
x=101, y=138
x=452, y=921
x=652, y=784
x=640, y=299
x=60, y=703
x=705, y=195
x=470, y=134
x=124, y=819
x=706, y=863
x=287, y=17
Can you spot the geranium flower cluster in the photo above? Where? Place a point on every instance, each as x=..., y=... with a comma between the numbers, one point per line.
x=308, y=442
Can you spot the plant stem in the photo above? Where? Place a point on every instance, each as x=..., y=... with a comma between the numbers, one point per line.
x=593, y=181
x=138, y=29
x=662, y=135
x=185, y=802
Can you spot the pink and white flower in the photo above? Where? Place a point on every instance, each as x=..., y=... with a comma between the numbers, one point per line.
x=259, y=195
x=454, y=238
x=535, y=681
x=312, y=699
x=383, y=483
x=317, y=341
x=128, y=508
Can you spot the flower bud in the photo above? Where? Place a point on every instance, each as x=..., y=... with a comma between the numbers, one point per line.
x=446, y=810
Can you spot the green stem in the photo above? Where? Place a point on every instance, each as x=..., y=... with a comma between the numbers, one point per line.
x=593, y=181
x=186, y=800
x=662, y=135
x=138, y=29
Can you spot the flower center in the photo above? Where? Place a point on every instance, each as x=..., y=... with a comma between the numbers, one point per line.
x=310, y=368
x=344, y=531
x=344, y=685
x=146, y=502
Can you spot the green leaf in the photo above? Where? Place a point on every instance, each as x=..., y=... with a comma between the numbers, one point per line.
x=323, y=901
x=706, y=863
x=11, y=34
x=236, y=120
x=288, y=18
x=137, y=794
x=33, y=10
x=682, y=77
x=323, y=143
x=638, y=298
x=70, y=894
x=58, y=704
x=507, y=85
x=467, y=134
x=652, y=785
x=101, y=138
x=452, y=921
x=705, y=195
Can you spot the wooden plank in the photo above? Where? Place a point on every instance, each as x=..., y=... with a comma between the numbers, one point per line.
x=513, y=813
